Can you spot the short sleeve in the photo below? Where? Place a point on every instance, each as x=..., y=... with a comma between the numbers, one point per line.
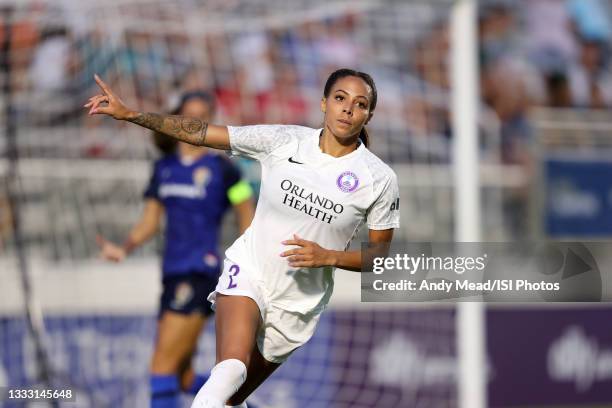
x=384, y=212
x=257, y=141
x=152, y=190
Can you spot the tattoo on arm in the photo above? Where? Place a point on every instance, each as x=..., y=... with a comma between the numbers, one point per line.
x=174, y=124
x=186, y=129
x=152, y=121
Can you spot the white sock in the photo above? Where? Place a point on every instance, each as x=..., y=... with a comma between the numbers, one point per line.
x=225, y=379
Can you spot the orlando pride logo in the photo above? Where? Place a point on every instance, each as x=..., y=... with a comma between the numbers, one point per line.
x=347, y=182
x=321, y=208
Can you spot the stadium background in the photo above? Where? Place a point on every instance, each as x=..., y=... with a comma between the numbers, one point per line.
x=545, y=86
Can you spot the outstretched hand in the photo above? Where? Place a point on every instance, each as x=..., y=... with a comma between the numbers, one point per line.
x=309, y=254
x=107, y=103
x=109, y=250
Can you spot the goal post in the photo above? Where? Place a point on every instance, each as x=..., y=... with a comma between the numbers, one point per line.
x=471, y=379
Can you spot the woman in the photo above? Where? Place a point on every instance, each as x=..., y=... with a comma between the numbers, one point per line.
x=318, y=187
x=192, y=187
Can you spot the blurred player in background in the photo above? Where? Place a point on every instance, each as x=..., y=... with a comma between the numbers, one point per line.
x=318, y=187
x=193, y=187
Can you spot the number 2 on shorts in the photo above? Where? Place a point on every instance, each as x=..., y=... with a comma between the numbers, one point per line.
x=233, y=271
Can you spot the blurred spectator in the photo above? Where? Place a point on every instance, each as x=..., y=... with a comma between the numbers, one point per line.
x=299, y=49
x=49, y=72
x=251, y=54
x=583, y=80
x=336, y=45
x=505, y=90
x=51, y=78
x=95, y=55
x=24, y=39
x=509, y=83
x=284, y=102
x=589, y=78
x=498, y=31
x=237, y=104
x=425, y=106
x=148, y=59
x=550, y=46
x=431, y=56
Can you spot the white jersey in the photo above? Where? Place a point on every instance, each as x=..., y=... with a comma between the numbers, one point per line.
x=316, y=196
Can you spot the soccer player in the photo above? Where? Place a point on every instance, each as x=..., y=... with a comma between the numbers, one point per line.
x=318, y=187
x=193, y=187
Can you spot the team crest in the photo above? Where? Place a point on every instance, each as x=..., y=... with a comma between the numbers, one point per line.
x=201, y=176
x=182, y=295
x=347, y=182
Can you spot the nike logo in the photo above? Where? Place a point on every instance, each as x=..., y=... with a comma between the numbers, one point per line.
x=293, y=161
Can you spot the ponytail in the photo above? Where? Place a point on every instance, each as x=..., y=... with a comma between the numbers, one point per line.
x=364, y=137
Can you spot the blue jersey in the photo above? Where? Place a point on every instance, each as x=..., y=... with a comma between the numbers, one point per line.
x=195, y=197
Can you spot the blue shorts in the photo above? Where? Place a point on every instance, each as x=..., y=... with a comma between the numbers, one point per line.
x=186, y=294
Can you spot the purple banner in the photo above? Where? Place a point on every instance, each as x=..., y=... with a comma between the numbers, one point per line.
x=550, y=357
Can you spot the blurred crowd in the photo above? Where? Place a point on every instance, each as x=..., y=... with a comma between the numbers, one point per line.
x=262, y=76
x=552, y=53
x=532, y=52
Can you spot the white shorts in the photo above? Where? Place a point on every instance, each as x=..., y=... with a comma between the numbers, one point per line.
x=281, y=331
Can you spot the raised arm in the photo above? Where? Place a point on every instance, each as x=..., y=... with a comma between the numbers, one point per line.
x=185, y=129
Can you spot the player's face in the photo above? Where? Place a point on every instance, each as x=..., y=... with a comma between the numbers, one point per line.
x=347, y=107
x=197, y=108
